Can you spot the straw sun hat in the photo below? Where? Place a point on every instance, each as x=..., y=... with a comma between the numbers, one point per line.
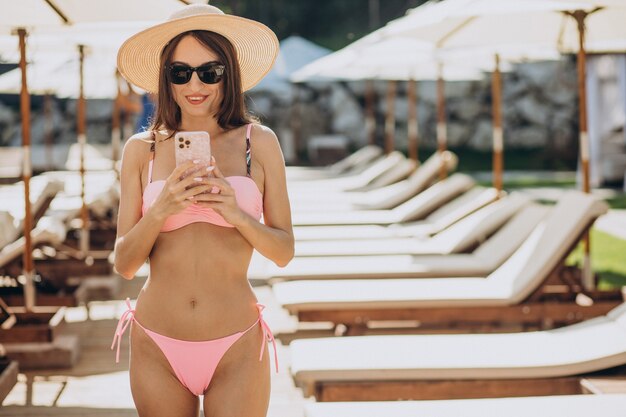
x=138, y=59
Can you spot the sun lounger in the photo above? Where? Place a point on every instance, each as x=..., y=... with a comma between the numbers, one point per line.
x=413, y=209
x=378, y=168
x=342, y=237
x=457, y=237
x=481, y=262
x=381, y=198
x=8, y=374
x=610, y=405
x=48, y=230
x=94, y=160
x=42, y=192
x=459, y=366
x=353, y=163
x=513, y=292
x=101, y=191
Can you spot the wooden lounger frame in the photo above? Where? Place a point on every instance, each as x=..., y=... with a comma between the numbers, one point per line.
x=448, y=389
x=559, y=301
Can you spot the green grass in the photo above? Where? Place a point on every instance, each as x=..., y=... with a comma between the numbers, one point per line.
x=608, y=259
x=533, y=183
x=617, y=202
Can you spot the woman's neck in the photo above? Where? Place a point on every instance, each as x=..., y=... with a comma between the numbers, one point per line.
x=207, y=124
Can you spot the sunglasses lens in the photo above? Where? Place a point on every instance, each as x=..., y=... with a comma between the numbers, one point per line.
x=208, y=74
x=180, y=74
x=211, y=74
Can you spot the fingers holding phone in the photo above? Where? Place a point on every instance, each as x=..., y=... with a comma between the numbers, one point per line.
x=179, y=191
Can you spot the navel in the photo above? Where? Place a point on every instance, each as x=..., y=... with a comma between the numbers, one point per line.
x=193, y=303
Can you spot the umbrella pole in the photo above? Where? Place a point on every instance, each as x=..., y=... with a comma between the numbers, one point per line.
x=115, y=133
x=370, y=118
x=442, y=133
x=47, y=112
x=390, y=119
x=296, y=121
x=413, y=124
x=27, y=258
x=588, y=280
x=82, y=139
x=498, y=142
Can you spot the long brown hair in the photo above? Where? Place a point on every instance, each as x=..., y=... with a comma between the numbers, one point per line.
x=232, y=112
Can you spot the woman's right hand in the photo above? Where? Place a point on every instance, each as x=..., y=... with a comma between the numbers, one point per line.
x=178, y=194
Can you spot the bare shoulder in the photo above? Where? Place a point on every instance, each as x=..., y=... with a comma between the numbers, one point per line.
x=265, y=143
x=138, y=145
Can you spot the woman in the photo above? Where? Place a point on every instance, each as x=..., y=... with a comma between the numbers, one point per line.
x=199, y=329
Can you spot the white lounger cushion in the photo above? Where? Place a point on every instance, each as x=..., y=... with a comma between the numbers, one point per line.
x=386, y=197
x=101, y=192
x=354, y=161
x=377, y=168
x=592, y=345
x=473, y=228
x=48, y=230
x=484, y=260
x=608, y=405
x=415, y=208
x=41, y=189
x=511, y=283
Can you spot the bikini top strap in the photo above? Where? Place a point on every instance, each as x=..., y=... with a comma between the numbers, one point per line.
x=151, y=161
x=248, y=153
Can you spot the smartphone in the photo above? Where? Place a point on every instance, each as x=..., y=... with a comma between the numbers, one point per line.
x=192, y=146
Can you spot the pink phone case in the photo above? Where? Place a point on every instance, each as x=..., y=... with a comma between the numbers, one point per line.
x=191, y=146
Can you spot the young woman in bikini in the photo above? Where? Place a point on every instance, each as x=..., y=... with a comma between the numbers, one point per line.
x=197, y=328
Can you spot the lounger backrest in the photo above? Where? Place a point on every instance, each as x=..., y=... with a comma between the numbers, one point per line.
x=365, y=154
x=48, y=230
x=476, y=227
x=41, y=190
x=547, y=245
x=432, y=197
x=430, y=168
x=499, y=247
x=8, y=230
x=380, y=166
x=399, y=172
x=392, y=195
x=462, y=206
x=618, y=314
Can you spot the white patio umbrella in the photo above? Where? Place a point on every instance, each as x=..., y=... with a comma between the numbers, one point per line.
x=398, y=59
x=26, y=15
x=569, y=25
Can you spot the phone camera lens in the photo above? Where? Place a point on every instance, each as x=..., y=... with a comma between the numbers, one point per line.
x=180, y=139
x=181, y=146
x=187, y=142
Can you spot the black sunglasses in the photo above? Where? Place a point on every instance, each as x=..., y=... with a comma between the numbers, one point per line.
x=209, y=73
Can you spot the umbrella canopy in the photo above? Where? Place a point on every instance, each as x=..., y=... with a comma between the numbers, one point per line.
x=53, y=59
x=295, y=53
x=502, y=24
x=38, y=14
x=398, y=58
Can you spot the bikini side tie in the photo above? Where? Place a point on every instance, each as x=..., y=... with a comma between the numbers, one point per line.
x=122, y=325
x=267, y=334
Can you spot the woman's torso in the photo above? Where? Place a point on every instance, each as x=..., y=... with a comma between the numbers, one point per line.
x=197, y=288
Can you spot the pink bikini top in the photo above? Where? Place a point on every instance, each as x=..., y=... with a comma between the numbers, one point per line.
x=249, y=197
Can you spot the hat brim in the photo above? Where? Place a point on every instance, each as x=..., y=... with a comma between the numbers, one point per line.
x=138, y=59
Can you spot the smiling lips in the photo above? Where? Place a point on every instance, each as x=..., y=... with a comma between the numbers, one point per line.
x=196, y=99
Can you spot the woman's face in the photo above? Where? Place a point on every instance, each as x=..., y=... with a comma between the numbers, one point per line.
x=196, y=98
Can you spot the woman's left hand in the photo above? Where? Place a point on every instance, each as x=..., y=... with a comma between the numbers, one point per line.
x=222, y=197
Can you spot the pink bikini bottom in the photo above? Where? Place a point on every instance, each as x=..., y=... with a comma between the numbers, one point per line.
x=194, y=363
